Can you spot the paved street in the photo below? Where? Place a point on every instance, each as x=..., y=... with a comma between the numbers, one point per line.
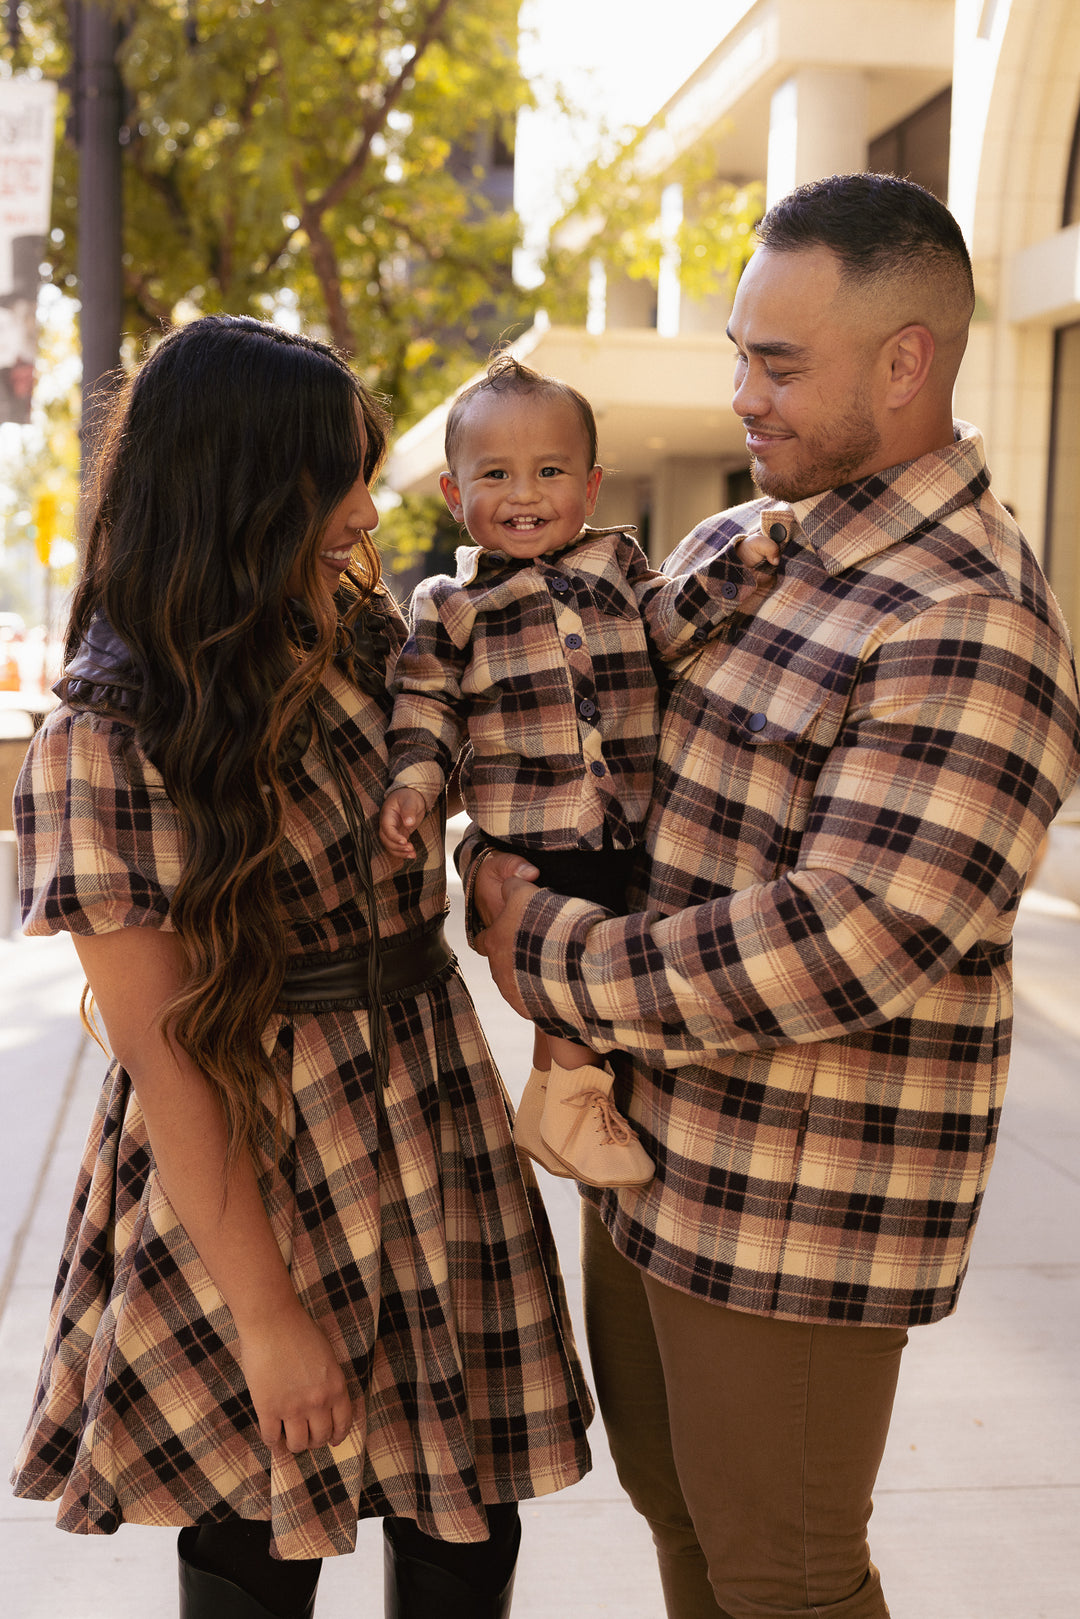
x=978, y=1505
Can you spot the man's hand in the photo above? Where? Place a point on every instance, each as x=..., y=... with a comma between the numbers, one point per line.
x=496, y=867
x=497, y=941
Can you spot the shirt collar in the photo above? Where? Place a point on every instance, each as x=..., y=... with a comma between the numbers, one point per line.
x=850, y=524
x=470, y=559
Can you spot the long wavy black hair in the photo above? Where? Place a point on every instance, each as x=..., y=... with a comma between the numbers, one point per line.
x=221, y=464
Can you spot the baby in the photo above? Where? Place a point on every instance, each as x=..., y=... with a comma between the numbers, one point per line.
x=539, y=656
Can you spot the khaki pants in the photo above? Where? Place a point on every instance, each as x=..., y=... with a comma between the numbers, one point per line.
x=749, y=1445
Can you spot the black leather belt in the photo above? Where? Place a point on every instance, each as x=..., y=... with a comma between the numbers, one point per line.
x=339, y=982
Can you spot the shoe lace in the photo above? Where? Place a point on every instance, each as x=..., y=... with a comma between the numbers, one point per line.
x=610, y=1119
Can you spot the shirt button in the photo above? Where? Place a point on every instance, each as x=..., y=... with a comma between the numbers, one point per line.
x=777, y=532
x=560, y=584
x=597, y=768
x=729, y=589
x=587, y=707
x=757, y=722
x=573, y=642
x=700, y=634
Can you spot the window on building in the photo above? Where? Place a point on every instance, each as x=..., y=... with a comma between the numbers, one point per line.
x=502, y=152
x=1063, y=503
x=741, y=487
x=917, y=148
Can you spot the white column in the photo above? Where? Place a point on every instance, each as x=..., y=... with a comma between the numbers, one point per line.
x=596, y=316
x=668, y=290
x=817, y=126
x=686, y=489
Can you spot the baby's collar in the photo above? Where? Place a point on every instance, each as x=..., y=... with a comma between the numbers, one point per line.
x=471, y=558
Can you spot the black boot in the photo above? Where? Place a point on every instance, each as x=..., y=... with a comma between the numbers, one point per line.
x=415, y=1589
x=209, y=1596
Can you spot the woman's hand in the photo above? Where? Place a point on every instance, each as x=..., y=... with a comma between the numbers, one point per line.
x=296, y=1385
x=496, y=868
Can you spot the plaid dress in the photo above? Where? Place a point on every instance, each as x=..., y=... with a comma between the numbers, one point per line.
x=411, y=1237
x=816, y=987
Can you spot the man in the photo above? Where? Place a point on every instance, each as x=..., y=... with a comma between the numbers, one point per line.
x=814, y=989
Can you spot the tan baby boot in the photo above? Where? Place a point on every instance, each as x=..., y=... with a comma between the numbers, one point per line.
x=527, y=1137
x=581, y=1125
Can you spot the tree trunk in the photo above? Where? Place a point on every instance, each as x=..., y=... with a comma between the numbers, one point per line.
x=101, y=290
x=324, y=261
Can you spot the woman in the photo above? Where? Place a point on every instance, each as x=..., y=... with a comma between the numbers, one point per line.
x=303, y=1281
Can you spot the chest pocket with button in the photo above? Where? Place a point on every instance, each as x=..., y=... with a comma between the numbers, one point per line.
x=771, y=733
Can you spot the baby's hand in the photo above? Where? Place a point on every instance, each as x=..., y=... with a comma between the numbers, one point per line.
x=402, y=811
x=757, y=549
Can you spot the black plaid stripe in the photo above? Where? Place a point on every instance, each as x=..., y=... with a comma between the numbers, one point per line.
x=412, y=1238
x=546, y=670
x=817, y=996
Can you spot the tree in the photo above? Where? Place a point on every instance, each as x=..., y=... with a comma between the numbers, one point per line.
x=325, y=159
x=616, y=211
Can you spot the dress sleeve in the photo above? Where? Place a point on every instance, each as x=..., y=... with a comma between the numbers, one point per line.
x=100, y=843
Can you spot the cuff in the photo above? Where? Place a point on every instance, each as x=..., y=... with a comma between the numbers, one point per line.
x=549, y=941
x=469, y=856
x=427, y=780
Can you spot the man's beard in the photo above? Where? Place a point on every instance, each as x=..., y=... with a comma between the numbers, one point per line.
x=823, y=464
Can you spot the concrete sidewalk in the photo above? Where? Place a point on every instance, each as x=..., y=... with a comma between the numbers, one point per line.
x=978, y=1502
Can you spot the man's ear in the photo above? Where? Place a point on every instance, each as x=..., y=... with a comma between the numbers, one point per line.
x=452, y=496
x=910, y=356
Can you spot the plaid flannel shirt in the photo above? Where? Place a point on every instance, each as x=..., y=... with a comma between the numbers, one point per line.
x=815, y=985
x=546, y=666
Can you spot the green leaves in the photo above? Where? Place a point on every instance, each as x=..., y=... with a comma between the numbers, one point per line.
x=617, y=209
x=330, y=155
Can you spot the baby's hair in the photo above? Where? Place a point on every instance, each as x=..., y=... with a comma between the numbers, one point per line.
x=507, y=375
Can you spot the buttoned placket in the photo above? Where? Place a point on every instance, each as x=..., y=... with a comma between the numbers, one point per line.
x=571, y=633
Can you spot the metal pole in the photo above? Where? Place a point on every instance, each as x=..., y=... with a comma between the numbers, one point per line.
x=101, y=291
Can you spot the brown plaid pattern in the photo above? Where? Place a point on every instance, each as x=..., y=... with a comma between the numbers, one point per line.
x=411, y=1237
x=816, y=986
x=546, y=666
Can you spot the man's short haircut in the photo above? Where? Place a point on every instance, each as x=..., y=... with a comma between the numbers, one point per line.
x=507, y=375
x=877, y=225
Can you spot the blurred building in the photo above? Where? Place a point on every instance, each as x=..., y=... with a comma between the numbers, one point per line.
x=977, y=99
